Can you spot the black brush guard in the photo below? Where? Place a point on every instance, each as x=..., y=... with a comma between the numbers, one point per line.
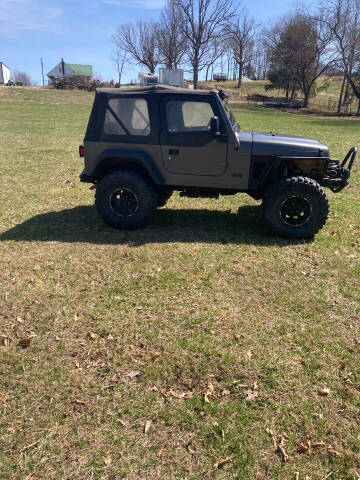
x=338, y=174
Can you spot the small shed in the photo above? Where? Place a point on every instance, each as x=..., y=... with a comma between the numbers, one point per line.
x=5, y=74
x=63, y=69
x=219, y=77
x=171, y=76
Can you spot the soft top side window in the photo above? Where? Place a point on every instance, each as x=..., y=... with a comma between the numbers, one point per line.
x=127, y=116
x=188, y=116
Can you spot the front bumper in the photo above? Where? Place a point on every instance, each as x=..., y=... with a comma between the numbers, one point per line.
x=338, y=174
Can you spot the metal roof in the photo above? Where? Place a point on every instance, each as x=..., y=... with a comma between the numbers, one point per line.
x=158, y=88
x=81, y=69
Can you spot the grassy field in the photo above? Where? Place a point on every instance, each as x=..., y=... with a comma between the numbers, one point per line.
x=199, y=347
x=256, y=86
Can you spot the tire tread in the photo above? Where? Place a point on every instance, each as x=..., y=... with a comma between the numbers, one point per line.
x=296, y=182
x=148, y=193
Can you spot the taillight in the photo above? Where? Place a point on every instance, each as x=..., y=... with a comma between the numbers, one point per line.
x=81, y=151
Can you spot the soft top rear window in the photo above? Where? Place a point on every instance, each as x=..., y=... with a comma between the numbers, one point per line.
x=127, y=116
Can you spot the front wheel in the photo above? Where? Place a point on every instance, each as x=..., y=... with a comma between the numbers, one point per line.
x=295, y=207
x=125, y=199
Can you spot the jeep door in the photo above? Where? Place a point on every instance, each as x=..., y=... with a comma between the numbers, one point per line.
x=188, y=145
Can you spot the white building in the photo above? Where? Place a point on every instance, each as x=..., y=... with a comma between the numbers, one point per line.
x=171, y=76
x=4, y=74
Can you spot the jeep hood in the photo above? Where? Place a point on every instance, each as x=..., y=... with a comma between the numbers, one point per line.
x=275, y=144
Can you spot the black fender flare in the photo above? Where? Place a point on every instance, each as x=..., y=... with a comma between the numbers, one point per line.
x=282, y=162
x=122, y=157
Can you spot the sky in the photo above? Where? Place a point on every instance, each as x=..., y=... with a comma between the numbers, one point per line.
x=80, y=31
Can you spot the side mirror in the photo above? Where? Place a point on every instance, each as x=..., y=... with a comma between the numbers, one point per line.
x=215, y=126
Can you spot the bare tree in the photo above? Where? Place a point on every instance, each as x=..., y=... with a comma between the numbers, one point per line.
x=261, y=57
x=342, y=90
x=216, y=50
x=342, y=17
x=119, y=58
x=203, y=21
x=21, y=77
x=241, y=32
x=171, y=39
x=140, y=41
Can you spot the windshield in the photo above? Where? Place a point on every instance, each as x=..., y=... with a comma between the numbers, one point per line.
x=230, y=115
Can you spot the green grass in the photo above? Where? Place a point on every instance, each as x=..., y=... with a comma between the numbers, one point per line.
x=129, y=327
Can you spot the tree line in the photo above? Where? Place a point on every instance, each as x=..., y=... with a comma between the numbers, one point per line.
x=202, y=36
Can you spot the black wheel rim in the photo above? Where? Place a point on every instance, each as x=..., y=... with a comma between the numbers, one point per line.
x=124, y=202
x=295, y=210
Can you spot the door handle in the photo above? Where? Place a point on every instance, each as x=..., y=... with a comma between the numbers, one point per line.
x=174, y=152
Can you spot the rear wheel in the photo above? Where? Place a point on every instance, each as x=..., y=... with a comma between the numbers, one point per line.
x=296, y=207
x=125, y=199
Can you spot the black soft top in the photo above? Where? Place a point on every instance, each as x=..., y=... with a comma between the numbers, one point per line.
x=151, y=89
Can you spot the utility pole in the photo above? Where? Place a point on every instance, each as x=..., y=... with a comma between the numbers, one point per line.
x=42, y=71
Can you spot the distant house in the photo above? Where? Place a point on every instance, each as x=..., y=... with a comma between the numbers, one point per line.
x=5, y=75
x=68, y=69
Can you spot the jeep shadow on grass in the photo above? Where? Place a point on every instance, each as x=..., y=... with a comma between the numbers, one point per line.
x=142, y=144
x=81, y=224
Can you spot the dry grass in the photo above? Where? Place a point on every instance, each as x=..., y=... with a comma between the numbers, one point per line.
x=162, y=328
x=329, y=86
x=324, y=103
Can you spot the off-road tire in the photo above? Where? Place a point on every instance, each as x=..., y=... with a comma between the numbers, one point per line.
x=141, y=192
x=288, y=190
x=163, y=197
